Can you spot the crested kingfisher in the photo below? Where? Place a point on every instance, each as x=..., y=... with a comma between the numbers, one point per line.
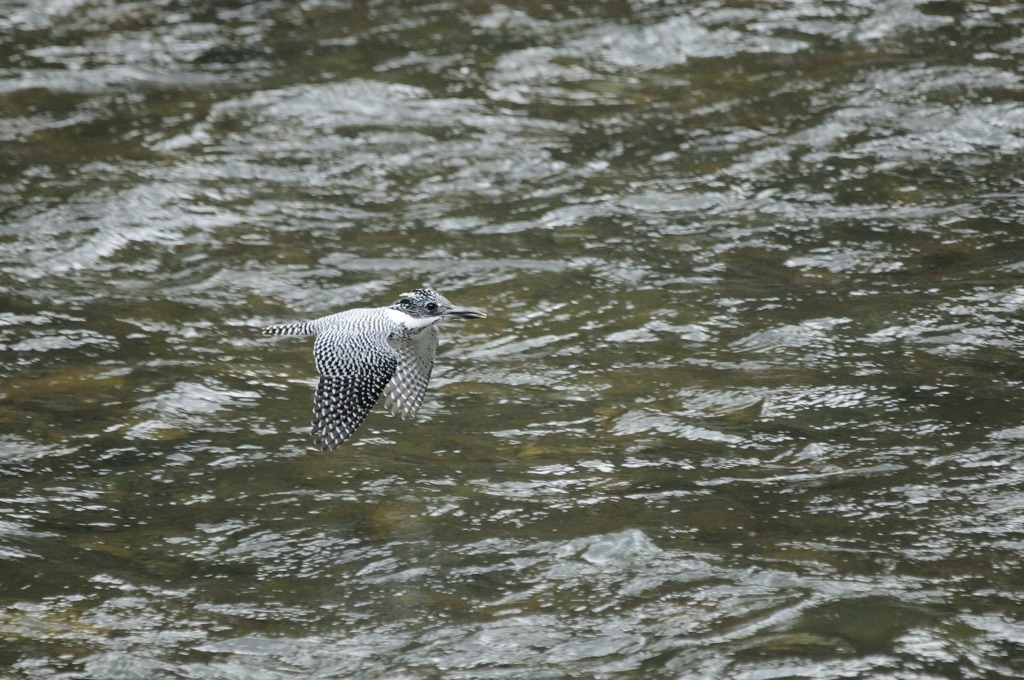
x=362, y=353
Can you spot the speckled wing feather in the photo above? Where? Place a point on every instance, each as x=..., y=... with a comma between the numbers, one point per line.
x=404, y=394
x=354, y=369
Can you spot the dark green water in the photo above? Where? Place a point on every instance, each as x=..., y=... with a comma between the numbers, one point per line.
x=747, y=405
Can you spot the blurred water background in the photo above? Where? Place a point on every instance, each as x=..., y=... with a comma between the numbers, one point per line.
x=748, y=403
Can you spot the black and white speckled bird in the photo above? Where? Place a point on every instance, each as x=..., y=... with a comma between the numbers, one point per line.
x=361, y=353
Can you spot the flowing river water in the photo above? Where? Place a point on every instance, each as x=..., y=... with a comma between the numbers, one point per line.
x=747, y=404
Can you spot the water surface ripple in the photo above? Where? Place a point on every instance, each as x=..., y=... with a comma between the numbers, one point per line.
x=747, y=403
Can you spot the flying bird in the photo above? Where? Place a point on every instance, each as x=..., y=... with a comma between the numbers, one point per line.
x=361, y=353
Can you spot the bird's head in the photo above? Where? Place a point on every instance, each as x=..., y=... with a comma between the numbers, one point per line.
x=424, y=303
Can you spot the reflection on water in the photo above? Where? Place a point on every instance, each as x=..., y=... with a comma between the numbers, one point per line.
x=747, y=404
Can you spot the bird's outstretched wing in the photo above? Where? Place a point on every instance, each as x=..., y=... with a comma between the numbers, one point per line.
x=354, y=369
x=404, y=394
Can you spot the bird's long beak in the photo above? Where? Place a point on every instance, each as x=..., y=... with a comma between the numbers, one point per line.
x=464, y=313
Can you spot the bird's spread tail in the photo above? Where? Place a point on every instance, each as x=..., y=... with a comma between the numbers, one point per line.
x=289, y=329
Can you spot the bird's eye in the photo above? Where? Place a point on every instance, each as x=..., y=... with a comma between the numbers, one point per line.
x=431, y=306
